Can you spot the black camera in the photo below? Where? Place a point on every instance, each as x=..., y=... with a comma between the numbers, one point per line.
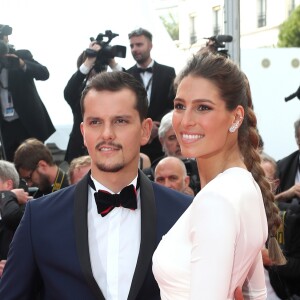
x=7, y=62
x=107, y=52
x=5, y=30
x=217, y=43
x=292, y=96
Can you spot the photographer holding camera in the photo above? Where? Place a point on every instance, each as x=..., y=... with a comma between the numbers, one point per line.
x=23, y=113
x=90, y=62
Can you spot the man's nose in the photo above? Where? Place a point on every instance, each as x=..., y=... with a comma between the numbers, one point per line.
x=107, y=132
x=168, y=183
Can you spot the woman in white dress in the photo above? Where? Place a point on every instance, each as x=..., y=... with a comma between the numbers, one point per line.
x=216, y=245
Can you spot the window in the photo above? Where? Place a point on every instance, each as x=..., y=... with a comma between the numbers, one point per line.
x=291, y=6
x=261, y=13
x=216, y=20
x=193, y=34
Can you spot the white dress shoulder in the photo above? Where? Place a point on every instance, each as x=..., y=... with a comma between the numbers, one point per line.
x=215, y=245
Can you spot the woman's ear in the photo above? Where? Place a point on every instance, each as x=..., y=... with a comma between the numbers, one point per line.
x=238, y=119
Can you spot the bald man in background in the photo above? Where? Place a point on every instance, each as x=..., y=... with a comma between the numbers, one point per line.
x=171, y=172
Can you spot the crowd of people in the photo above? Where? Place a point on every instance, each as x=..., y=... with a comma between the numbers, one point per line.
x=167, y=193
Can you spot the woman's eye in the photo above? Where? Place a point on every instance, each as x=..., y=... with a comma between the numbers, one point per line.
x=178, y=106
x=203, y=107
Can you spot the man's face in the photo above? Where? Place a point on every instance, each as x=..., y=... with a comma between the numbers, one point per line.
x=112, y=131
x=171, y=174
x=140, y=48
x=79, y=173
x=36, y=178
x=170, y=144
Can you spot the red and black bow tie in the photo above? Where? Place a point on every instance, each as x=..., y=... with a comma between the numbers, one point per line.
x=106, y=201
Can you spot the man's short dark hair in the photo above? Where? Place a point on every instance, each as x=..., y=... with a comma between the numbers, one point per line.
x=30, y=152
x=140, y=31
x=114, y=82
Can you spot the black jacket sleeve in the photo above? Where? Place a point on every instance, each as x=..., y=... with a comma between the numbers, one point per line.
x=11, y=211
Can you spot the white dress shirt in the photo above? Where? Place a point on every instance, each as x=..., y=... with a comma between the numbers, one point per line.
x=114, y=242
x=147, y=80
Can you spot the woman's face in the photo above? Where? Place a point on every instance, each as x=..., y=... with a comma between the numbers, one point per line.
x=201, y=120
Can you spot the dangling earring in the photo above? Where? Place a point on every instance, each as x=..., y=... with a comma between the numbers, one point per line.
x=234, y=127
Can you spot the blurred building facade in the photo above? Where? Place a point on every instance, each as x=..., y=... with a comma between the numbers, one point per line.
x=259, y=20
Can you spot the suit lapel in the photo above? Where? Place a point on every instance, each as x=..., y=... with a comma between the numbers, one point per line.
x=148, y=235
x=81, y=235
x=154, y=105
x=136, y=74
x=155, y=80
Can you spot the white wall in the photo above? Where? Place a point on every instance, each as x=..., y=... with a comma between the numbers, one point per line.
x=269, y=88
x=57, y=32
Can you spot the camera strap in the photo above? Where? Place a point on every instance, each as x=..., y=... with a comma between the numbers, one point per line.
x=147, y=87
x=148, y=84
x=58, y=180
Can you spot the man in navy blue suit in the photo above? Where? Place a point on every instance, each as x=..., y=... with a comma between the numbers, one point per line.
x=76, y=243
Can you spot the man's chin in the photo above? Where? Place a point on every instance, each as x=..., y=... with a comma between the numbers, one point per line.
x=110, y=168
x=139, y=60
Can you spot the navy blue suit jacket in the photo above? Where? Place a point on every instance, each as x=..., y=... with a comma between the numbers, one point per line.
x=50, y=246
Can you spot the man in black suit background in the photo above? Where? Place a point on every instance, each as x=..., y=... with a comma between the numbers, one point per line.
x=289, y=175
x=87, y=67
x=158, y=82
x=23, y=113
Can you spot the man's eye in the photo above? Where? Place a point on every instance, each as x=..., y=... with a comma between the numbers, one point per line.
x=94, y=122
x=121, y=121
x=172, y=138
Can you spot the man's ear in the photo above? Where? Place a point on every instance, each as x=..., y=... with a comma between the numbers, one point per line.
x=187, y=181
x=146, y=131
x=82, y=132
x=8, y=184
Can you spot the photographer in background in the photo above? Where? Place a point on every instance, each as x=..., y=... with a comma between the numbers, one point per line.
x=23, y=113
x=89, y=64
x=12, y=206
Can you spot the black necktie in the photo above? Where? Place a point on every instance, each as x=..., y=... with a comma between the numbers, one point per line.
x=141, y=70
x=106, y=201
